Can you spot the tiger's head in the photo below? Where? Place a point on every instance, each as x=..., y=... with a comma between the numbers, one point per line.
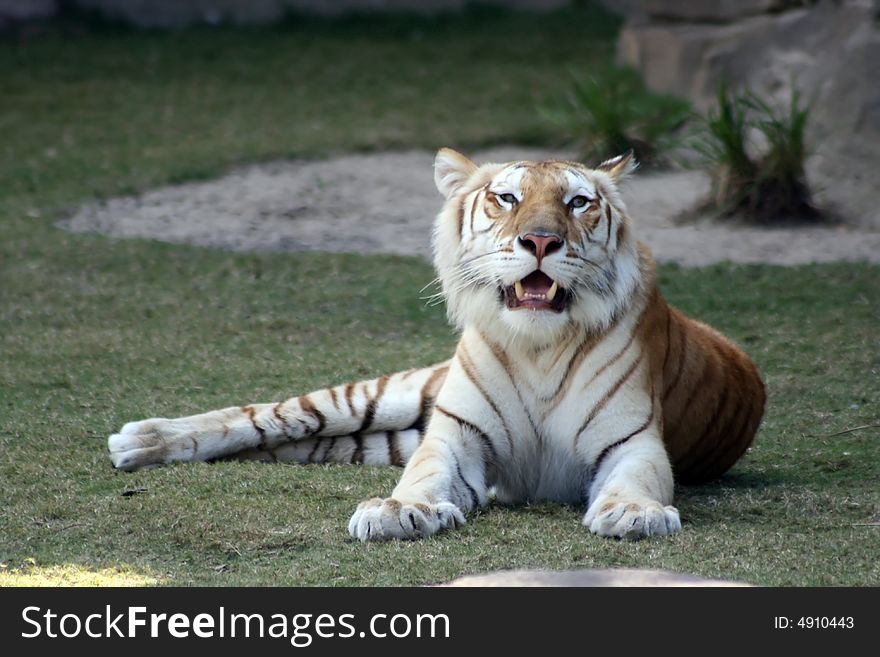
x=529, y=250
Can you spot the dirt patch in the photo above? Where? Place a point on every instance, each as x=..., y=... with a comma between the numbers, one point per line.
x=386, y=202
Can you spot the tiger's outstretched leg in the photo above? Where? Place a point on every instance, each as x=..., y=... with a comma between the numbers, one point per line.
x=357, y=423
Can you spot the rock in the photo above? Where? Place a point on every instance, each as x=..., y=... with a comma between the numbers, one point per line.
x=27, y=10
x=711, y=10
x=167, y=14
x=829, y=52
x=690, y=59
x=172, y=14
x=587, y=578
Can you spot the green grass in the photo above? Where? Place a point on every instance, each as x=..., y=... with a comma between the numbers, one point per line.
x=96, y=332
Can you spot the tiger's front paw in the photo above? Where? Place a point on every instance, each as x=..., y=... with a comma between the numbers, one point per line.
x=382, y=520
x=632, y=520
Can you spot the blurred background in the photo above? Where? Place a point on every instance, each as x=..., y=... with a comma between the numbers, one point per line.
x=775, y=102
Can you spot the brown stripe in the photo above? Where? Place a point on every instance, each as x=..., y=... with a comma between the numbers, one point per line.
x=682, y=341
x=330, y=444
x=668, y=336
x=475, y=499
x=698, y=449
x=311, y=457
x=473, y=428
x=334, y=398
x=422, y=478
x=571, y=369
x=284, y=425
x=370, y=413
x=349, y=392
x=249, y=411
x=460, y=218
x=394, y=455
x=559, y=351
x=474, y=211
x=502, y=359
x=729, y=433
x=620, y=353
x=605, y=452
x=608, y=218
x=427, y=400
x=499, y=355
x=697, y=388
x=436, y=374
x=468, y=366
x=608, y=395
x=732, y=373
x=705, y=377
x=357, y=456
x=308, y=407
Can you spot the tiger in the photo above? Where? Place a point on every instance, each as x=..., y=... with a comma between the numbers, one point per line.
x=573, y=379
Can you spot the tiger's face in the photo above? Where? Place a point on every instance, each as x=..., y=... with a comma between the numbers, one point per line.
x=531, y=249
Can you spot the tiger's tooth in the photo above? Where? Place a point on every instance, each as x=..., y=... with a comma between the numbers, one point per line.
x=520, y=293
x=552, y=291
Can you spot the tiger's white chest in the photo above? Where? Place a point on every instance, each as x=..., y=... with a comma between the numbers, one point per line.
x=544, y=468
x=558, y=429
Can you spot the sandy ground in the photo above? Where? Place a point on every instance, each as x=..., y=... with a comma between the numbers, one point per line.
x=386, y=202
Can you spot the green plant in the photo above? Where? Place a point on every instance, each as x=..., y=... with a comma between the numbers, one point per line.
x=612, y=112
x=766, y=187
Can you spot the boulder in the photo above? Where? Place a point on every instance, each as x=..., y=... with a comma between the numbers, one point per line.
x=15, y=12
x=672, y=57
x=712, y=11
x=830, y=52
x=172, y=14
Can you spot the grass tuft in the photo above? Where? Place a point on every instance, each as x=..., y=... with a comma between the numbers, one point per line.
x=767, y=188
x=611, y=113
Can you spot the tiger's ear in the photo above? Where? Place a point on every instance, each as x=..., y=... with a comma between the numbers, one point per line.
x=619, y=167
x=451, y=170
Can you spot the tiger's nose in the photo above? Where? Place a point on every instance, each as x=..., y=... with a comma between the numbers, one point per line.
x=541, y=244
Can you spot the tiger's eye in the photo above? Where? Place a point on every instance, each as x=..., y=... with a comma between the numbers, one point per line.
x=578, y=202
x=508, y=198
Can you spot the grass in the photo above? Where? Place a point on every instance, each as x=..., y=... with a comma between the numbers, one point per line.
x=611, y=111
x=96, y=332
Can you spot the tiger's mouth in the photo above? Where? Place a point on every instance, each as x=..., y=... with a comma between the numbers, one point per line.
x=537, y=291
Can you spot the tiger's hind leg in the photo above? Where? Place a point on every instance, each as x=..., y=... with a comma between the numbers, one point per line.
x=353, y=414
